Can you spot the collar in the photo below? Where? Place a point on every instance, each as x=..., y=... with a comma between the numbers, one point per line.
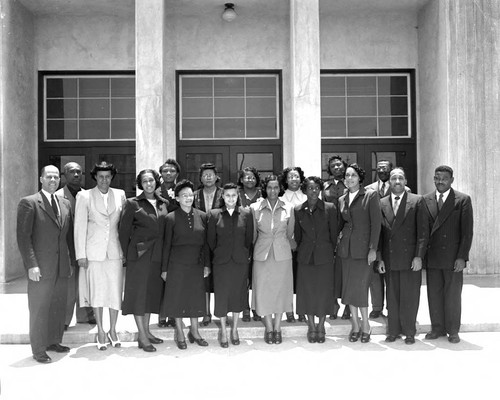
x=47, y=195
x=224, y=209
x=445, y=195
x=320, y=204
x=265, y=204
x=393, y=197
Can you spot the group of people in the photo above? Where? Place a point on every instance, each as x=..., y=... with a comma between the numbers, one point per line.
x=279, y=235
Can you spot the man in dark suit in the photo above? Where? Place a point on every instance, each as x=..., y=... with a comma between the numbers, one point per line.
x=450, y=222
x=72, y=171
x=45, y=240
x=403, y=244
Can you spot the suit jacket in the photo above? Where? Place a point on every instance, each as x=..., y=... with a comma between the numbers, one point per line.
x=332, y=191
x=360, y=224
x=96, y=228
x=273, y=230
x=65, y=193
x=230, y=237
x=387, y=192
x=405, y=235
x=450, y=229
x=316, y=233
x=199, y=199
x=44, y=240
x=142, y=228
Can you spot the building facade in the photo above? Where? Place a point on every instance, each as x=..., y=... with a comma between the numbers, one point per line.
x=287, y=82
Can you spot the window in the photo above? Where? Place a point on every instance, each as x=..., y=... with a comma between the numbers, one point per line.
x=365, y=105
x=228, y=106
x=93, y=107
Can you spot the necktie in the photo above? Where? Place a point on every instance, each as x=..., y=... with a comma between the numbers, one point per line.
x=440, y=201
x=382, y=189
x=395, y=206
x=54, y=205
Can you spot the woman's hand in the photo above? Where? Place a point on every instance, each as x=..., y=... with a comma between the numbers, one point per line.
x=83, y=263
x=372, y=256
x=206, y=271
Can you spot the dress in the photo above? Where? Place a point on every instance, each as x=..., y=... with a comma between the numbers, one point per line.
x=361, y=222
x=272, y=280
x=141, y=237
x=316, y=236
x=184, y=256
x=230, y=239
x=96, y=239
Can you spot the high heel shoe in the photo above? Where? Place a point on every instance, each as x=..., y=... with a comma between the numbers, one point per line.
x=155, y=340
x=206, y=320
x=311, y=336
x=200, y=342
x=225, y=344
x=114, y=343
x=278, y=339
x=365, y=336
x=235, y=340
x=181, y=344
x=269, y=337
x=148, y=348
x=101, y=346
x=320, y=336
x=354, y=336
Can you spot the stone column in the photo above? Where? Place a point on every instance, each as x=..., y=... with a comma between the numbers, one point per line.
x=305, y=138
x=150, y=83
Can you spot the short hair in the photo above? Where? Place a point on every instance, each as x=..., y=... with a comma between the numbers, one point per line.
x=335, y=157
x=267, y=179
x=315, y=179
x=401, y=168
x=386, y=161
x=205, y=166
x=67, y=166
x=255, y=173
x=172, y=162
x=103, y=166
x=156, y=176
x=360, y=171
x=228, y=186
x=42, y=171
x=184, y=183
x=284, y=176
x=444, y=168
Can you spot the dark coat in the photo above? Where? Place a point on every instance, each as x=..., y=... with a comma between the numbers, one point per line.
x=316, y=233
x=199, y=199
x=405, y=235
x=451, y=230
x=360, y=224
x=333, y=191
x=230, y=237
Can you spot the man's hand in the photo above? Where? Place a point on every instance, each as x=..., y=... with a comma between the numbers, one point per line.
x=459, y=265
x=416, y=264
x=164, y=276
x=372, y=256
x=206, y=271
x=381, y=267
x=34, y=274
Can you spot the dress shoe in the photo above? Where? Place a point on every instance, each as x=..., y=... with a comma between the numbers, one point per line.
x=246, y=316
x=101, y=346
x=42, y=358
x=235, y=340
x=290, y=317
x=114, y=343
x=206, y=320
x=225, y=344
x=410, y=339
x=181, y=344
x=311, y=336
x=320, y=336
x=376, y=314
x=391, y=338
x=155, y=340
x=58, y=348
x=365, y=336
x=433, y=335
x=148, y=348
x=302, y=318
x=278, y=338
x=354, y=336
x=332, y=316
x=171, y=322
x=200, y=342
x=347, y=313
x=162, y=323
x=454, y=338
x=92, y=321
x=66, y=327
x=269, y=337
x=256, y=317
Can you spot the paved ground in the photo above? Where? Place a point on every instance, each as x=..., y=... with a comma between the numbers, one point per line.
x=293, y=370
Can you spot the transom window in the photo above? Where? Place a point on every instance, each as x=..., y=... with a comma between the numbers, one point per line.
x=94, y=107
x=223, y=107
x=365, y=105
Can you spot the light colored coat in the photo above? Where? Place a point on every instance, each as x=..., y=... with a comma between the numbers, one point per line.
x=96, y=228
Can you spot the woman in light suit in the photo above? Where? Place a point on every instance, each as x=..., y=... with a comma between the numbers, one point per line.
x=98, y=250
x=272, y=280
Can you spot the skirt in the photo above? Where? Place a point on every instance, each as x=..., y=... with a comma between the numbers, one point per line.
x=337, y=279
x=184, y=291
x=143, y=286
x=230, y=287
x=314, y=289
x=356, y=277
x=272, y=286
x=101, y=284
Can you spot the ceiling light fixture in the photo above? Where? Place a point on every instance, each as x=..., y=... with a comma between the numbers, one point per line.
x=229, y=14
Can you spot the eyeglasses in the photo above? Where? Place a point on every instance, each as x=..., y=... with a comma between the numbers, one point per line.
x=208, y=176
x=249, y=178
